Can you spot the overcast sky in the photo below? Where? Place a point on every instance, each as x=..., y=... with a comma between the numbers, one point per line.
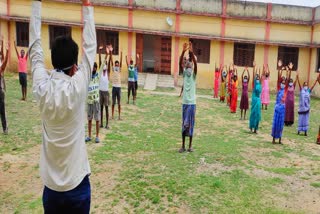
x=310, y=3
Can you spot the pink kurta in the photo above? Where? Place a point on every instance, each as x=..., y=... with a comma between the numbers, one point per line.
x=265, y=96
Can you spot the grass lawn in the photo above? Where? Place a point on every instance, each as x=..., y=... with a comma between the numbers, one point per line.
x=137, y=169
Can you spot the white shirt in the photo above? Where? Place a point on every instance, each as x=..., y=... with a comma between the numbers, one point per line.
x=61, y=98
x=104, y=79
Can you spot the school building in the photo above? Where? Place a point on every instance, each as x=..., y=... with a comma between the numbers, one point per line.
x=222, y=31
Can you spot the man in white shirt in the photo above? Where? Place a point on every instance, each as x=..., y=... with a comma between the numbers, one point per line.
x=61, y=95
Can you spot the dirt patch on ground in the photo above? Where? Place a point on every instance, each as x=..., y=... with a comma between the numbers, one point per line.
x=303, y=197
x=19, y=177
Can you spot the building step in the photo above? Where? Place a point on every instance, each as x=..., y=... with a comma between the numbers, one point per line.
x=142, y=79
x=151, y=82
x=165, y=81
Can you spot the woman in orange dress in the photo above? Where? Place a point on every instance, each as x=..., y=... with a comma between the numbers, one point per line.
x=234, y=92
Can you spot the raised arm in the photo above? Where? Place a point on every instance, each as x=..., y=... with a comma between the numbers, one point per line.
x=89, y=44
x=297, y=77
x=100, y=48
x=4, y=63
x=242, y=76
x=314, y=84
x=195, y=69
x=137, y=60
x=2, y=53
x=185, y=47
x=38, y=70
x=15, y=45
x=127, y=62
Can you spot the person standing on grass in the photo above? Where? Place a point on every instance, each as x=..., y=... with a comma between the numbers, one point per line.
x=104, y=96
x=234, y=92
x=217, y=74
x=61, y=95
x=116, y=82
x=3, y=64
x=244, y=102
x=229, y=84
x=265, y=94
x=22, y=68
x=279, y=114
x=222, y=94
x=255, y=114
x=131, y=83
x=289, y=117
x=189, y=96
x=304, y=106
x=93, y=103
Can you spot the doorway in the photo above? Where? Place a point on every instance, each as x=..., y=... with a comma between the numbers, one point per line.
x=156, y=53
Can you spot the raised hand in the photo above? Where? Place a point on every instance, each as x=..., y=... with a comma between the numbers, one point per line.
x=110, y=48
x=100, y=47
x=279, y=63
x=190, y=47
x=86, y=2
x=107, y=50
x=290, y=65
x=185, y=46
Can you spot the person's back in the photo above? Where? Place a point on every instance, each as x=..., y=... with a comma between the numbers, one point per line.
x=61, y=95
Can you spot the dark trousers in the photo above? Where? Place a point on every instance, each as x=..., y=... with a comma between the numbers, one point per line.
x=72, y=201
x=3, y=110
x=132, y=87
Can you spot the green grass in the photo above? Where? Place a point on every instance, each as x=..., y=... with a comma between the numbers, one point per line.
x=137, y=168
x=317, y=185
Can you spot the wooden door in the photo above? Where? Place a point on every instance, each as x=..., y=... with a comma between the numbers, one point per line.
x=165, y=55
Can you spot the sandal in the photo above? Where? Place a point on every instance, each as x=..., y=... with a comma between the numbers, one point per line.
x=97, y=140
x=190, y=149
x=181, y=150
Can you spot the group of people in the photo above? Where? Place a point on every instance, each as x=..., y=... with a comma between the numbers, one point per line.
x=284, y=106
x=62, y=92
x=98, y=90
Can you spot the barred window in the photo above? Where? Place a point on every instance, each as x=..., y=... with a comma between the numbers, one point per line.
x=243, y=54
x=22, y=34
x=201, y=49
x=105, y=37
x=56, y=31
x=287, y=55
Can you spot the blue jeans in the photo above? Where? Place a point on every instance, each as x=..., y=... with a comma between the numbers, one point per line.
x=76, y=200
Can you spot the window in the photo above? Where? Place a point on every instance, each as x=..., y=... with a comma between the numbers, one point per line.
x=318, y=61
x=22, y=33
x=287, y=55
x=55, y=31
x=105, y=37
x=201, y=49
x=243, y=54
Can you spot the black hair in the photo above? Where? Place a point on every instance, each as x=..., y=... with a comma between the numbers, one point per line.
x=64, y=53
x=95, y=65
x=116, y=62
